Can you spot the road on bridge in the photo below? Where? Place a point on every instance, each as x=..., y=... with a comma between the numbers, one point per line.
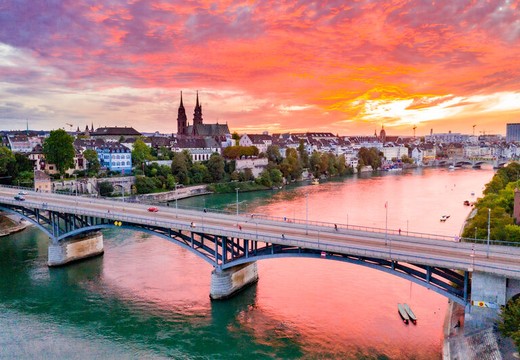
x=416, y=248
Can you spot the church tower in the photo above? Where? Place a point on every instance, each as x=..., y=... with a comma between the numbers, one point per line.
x=197, y=116
x=182, y=120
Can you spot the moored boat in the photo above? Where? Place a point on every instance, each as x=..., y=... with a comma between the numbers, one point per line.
x=315, y=182
x=410, y=313
x=403, y=313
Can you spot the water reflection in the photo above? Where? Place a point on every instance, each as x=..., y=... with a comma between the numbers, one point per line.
x=150, y=296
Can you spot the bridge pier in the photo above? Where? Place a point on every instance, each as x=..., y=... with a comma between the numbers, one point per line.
x=226, y=283
x=488, y=293
x=75, y=248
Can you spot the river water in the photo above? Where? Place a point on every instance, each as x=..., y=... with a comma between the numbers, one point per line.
x=148, y=299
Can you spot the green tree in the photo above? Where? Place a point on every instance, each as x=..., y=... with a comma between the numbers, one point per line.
x=58, y=149
x=93, y=164
x=273, y=154
x=510, y=321
x=304, y=156
x=341, y=165
x=23, y=163
x=215, y=167
x=7, y=163
x=105, y=188
x=200, y=174
x=181, y=167
x=146, y=185
x=141, y=153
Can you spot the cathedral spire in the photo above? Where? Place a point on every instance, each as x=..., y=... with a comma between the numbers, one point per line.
x=182, y=120
x=197, y=116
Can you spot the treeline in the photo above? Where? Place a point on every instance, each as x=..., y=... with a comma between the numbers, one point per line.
x=499, y=199
x=220, y=170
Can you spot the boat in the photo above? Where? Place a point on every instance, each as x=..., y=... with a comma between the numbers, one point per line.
x=403, y=313
x=410, y=313
x=466, y=203
x=451, y=167
x=445, y=217
x=315, y=182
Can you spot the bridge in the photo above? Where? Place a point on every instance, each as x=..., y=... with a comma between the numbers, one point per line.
x=460, y=270
x=475, y=162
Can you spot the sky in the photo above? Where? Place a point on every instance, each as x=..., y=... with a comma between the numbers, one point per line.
x=346, y=67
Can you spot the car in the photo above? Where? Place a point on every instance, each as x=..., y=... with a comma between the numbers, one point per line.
x=22, y=193
x=19, y=198
x=153, y=209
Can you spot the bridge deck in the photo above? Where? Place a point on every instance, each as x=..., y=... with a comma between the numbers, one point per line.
x=414, y=248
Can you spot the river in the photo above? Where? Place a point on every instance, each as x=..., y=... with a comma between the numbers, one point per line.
x=146, y=298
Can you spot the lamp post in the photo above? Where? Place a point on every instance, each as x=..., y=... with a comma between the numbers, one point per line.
x=237, y=199
x=306, y=213
x=75, y=185
x=386, y=223
x=489, y=230
x=176, y=207
x=123, y=192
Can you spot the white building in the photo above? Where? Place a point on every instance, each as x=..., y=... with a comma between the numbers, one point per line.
x=260, y=141
x=256, y=165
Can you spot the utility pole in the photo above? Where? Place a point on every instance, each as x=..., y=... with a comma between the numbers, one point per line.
x=237, y=199
x=307, y=213
x=489, y=230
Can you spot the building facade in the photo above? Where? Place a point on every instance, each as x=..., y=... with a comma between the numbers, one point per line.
x=115, y=157
x=513, y=132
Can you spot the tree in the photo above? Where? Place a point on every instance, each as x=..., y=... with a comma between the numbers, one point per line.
x=93, y=164
x=180, y=167
x=141, y=153
x=216, y=167
x=58, y=149
x=273, y=154
x=235, y=137
x=510, y=321
x=304, y=156
x=105, y=188
x=7, y=162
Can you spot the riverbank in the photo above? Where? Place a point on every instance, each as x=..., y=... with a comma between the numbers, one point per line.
x=464, y=343
x=8, y=224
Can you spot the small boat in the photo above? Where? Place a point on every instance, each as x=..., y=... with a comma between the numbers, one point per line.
x=315, y=182
x=403, y=313
x=466, y=203
x=410, y=313
x=451, y=167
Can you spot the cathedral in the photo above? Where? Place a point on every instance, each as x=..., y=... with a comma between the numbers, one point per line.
x=198, y=128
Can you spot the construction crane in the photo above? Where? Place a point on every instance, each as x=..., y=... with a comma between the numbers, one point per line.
x=414, y=127
x=474, y=130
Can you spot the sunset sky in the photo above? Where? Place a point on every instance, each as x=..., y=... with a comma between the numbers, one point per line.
x=347, y=67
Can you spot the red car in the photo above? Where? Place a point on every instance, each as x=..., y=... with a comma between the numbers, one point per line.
x=153, y=209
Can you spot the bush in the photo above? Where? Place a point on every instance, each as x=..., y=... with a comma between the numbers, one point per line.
x=105, y=188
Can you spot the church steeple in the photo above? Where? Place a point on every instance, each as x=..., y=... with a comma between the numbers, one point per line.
x=182, y=119
x=197, y=116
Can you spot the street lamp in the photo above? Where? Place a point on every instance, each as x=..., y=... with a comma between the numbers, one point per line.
x=176, y=207
x=237, y=199
x=76, y=184
x=386, y=223
x=489, y=230
x=307, y=213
